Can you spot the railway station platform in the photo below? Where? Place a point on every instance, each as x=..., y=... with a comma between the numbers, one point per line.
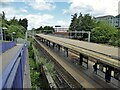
x=85, y=77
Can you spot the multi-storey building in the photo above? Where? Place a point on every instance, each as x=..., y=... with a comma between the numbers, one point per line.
x=119, y=7
x=107, y=18
x=117, y=21
x=113, y=20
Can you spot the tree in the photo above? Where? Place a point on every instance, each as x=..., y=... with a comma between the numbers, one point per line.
x=13, y=21
x=115, y=39
x=12, y=25
x=48, y=29
x=18, y=29
x=87, y=23
x=24, y=23
x=3, y=15
x=40, y=29
x=82, y=23
x=20, y=21
x=103, y=33
x=73, y=24
x=79, y=21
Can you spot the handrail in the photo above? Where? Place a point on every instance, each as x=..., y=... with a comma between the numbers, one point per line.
x=8, y=75
x=8, y=69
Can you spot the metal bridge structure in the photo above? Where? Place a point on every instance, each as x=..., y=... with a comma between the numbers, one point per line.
x=13, y=57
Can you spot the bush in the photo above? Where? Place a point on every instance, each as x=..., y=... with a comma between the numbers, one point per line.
x=103, y=33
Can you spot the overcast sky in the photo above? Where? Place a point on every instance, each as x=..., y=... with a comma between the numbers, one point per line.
x=55, y=12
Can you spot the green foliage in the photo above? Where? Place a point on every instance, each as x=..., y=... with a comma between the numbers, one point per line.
x=13, y=21
x=31, y=53
x=11, y=28
x=46, y=29
x=104, y=33
x=101, y=32
x=87, y=23
x=4, y=22
x=13, y=25
x=24, y=23
x=50, y=67
x=47, y=63
x=82, y=23
x=18, y=29
x=74, y=23
x=40, y=29
x=115, y=40
x=36, y=80
x=3, y=15
x=31, y=39
x=34, y=74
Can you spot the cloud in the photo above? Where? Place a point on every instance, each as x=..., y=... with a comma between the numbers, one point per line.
x=5, y=2
x=62, y=22
x=35, y=4
x=23, y=10
x=34, y=20
x=10, y=11
x=93, y=7
x=37, y=20
x=42, y=5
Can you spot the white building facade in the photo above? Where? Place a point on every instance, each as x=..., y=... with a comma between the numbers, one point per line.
x=118, y=7
x=61, y=28
x=113, y=20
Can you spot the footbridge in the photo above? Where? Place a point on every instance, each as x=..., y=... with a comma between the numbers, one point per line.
x=12, y=59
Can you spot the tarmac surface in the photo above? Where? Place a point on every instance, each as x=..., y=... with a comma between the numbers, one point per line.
x=8, y=55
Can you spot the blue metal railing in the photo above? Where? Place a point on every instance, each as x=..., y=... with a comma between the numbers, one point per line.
x=4, y=46
x=13, y=75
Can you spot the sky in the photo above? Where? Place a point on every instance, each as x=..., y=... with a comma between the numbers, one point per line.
x=55, y=12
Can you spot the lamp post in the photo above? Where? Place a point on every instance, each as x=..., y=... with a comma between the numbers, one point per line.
x=1, y=32
x=26, y=34
x=12, y=35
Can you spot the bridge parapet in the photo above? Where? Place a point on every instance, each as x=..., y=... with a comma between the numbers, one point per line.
x=4, y=46
x=13, y=74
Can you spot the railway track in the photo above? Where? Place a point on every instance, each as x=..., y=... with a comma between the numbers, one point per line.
x=62, y=78
x=70, y=76
x=61, y=81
